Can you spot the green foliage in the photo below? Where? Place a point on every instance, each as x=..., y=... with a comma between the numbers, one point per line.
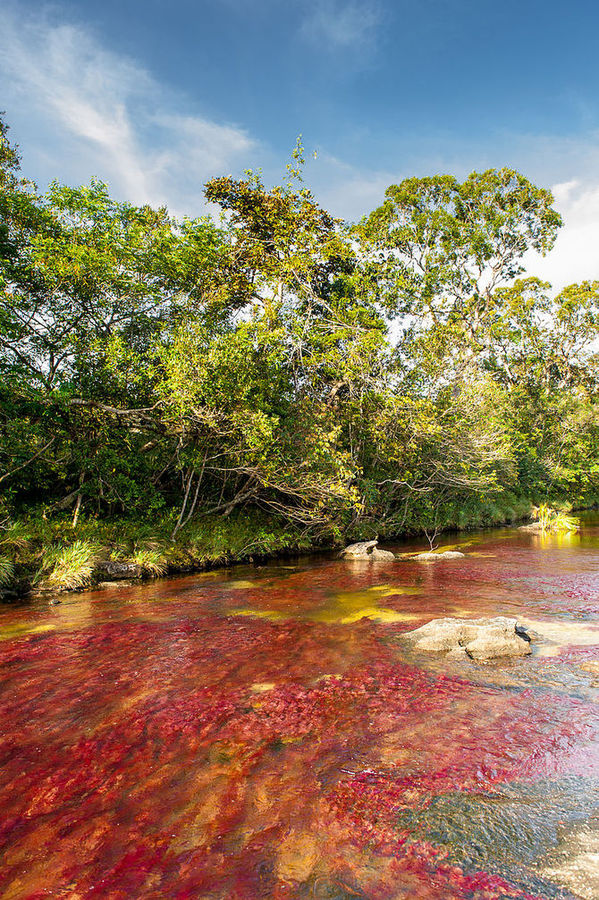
x=69, y=568
x=7, y=570
x=151, y=561
x=183, y=375
x=554, y=520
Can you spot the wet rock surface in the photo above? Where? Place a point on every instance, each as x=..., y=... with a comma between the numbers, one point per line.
x=111, y=570
x=478, y=638
x=366, y=550
x=576, y=868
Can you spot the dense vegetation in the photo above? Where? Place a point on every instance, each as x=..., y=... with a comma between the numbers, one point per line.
x=284, y=366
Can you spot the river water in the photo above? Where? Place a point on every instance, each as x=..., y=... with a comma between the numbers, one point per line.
x=265, y=733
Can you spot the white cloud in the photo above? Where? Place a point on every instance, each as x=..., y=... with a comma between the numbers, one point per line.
x=575, y=256
x=342, y=23
x=80, y=110
x=105, y=115
x=351, y=192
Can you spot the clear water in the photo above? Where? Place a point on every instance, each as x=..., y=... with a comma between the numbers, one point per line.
x=265, y=733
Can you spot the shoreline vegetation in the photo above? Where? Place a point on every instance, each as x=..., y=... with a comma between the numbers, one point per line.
x=176, y=394
x=48, y=558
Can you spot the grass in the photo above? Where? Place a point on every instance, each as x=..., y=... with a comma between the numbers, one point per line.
x=69, y=568
x=7, y=570
x=49, y=553
x=41, y=551
x=153, y=562
x=554, y=520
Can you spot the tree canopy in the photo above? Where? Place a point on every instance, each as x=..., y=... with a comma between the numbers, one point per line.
x=381, y=376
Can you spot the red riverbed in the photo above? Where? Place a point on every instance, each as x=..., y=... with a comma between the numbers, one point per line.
x=264, y=733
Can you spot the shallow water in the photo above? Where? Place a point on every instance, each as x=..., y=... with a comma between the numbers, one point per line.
x=264, y=732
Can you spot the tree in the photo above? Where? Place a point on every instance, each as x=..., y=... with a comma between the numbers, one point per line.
x=439, y=249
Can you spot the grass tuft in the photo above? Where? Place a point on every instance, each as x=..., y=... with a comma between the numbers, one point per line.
x=554, y=520
x=70, y=568
x=152, y=562
x=7, y=570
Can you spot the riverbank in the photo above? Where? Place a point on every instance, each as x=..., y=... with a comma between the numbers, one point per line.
x=49, y=556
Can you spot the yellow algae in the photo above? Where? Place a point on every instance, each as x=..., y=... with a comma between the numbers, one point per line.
x=272, y=614
x=260, y=687
x=457, y=546
x=297, y=856
x=240, y=585
x=393, y=591
x=343, y=609
x=592, y=666
x=378, y=614
x=549, y=650
x=20, y=629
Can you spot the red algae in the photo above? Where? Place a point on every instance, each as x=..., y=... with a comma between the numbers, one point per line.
x=203, y=738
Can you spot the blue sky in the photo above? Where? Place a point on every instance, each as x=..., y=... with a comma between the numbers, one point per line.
x=155, y=97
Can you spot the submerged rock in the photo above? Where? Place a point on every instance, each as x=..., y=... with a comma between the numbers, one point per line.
x=577, y=865
x=444, y=554
x=366, y=550
x=478, y=638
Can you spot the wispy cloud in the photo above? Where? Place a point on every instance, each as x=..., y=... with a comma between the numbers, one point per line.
x=342, y=24
x=108, y=116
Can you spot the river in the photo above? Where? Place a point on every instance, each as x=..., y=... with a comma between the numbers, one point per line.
x=263, y=732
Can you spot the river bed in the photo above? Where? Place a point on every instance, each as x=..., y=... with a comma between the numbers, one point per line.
x=264, y=732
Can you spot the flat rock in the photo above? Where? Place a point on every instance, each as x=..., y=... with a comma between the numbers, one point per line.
x=366, y=550
x=535, y=527
x=480, y=638
x=111, y=570
x=578, y=868
x=445, y=554
x=114, y=585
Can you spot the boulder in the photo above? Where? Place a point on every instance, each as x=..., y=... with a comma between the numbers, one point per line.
x=111, y=570
x=445, y=554
x=535, y=527
x=381, y=554
x=365, y=550
x=478, y=638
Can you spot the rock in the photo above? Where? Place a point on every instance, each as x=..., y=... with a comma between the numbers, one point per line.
x=535, y=527
x=480, y=638
x=358, y=551
x=365, y=550
x=381, y=554
x=445, y=554
x=576, y=867
x=116, y=571
x=592, y=667
x=114, y=585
